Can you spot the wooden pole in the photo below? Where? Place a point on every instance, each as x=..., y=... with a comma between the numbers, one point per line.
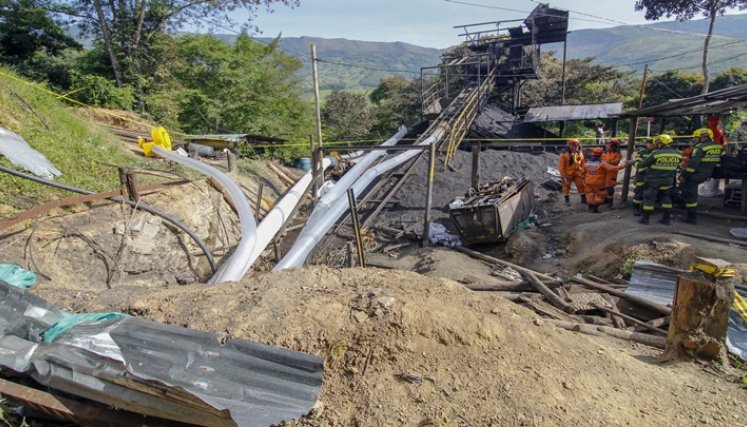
x=631, y=139
x=630, y=297
x=476, y=148
x=551, y=296
x=429, y=195
x=132, y=186
x=258, y=203
x=520, y=269
x=356, y=227
x=231, y=161
x=651, y=340
x=632, y=319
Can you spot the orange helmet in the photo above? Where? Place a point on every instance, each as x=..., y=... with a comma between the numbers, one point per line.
x=597, y=151
x=613, y=142
x=574, y=143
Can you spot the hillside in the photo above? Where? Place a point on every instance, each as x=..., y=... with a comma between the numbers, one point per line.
x=631, y=46
x=354, y=64
x=82, y=151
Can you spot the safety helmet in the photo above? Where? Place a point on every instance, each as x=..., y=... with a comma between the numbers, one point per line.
x=699, y=133
x=574, y=142
x=613, y=142
x=663, y=139
x=597, y=151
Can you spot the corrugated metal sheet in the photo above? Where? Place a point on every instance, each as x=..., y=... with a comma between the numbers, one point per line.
x=657, y=283
x=719, y=101
x=159, y=370
x=572, y=112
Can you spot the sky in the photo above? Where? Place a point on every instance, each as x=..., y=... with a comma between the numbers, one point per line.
x=426, y=22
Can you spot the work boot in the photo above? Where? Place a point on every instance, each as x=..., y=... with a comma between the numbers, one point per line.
x=666, y=219
x=644, y=218
x=567, y=200
x=636, y=210
x=590, y=208
x=610, y=202
x=692, y=217
x=596, y=209
x=583, y=198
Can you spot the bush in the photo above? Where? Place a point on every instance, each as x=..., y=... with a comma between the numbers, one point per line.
x=101, y=92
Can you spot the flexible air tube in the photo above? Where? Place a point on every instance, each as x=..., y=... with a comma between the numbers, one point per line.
x=136, y=205
x=233, y=269
x=279, y=215
x=313, y=233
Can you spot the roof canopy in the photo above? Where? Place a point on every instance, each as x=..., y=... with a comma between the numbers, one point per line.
x=716, y=102
x=572, y=112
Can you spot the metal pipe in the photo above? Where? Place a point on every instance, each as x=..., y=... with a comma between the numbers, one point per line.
x=325, y=219
x=232, y=269
x=141, y=206
x=281, y=213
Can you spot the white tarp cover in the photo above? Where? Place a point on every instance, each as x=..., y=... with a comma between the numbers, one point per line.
x=20, y=153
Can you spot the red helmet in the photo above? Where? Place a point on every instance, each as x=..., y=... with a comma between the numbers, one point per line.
x=597, y=151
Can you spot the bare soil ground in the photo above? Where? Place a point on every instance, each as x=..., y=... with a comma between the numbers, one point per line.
x=404, y=349
x=401, y=348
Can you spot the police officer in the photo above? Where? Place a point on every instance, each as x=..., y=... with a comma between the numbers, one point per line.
x=661, y=169
x=640, y=172
x=705, y=155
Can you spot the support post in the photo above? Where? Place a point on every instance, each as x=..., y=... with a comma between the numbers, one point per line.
x=476, y=148
x=318, y=106
x=631, y=139
x=351, y=261
x=356, y=227
x=258, y=203
x=700, y=317
x=231, y=161
x=132, y=186
x=429, y=194
x=122, y=181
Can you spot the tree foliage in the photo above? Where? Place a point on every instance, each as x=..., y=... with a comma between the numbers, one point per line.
x=26, y=28
x=396, y=102
x=684, y=10
x=126, y=29
x=586, y=83
x=347, y=115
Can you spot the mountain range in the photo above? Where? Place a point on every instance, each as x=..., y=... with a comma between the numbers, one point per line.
x=360, y=65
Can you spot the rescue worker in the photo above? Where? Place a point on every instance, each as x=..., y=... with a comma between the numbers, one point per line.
x=661, y=169
x=705, y=155
x=596, y=171
x=571, y=169
x=640, y=172
x=612, y=157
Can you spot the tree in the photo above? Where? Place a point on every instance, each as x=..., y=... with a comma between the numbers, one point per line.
x=586, y=83
x=126, y=28
x=684, y=10
x=347, y=115
x=732, y=77
x=396, y=102
x=26, y=28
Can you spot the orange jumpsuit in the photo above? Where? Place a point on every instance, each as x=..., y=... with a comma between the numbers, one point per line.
x=612, y=158
x=596, y=173
x=571, y=168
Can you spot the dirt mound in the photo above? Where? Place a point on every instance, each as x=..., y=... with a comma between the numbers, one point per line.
x=403, y=349
x=126, y=120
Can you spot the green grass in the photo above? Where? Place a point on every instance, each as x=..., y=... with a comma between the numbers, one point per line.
x=78, y=148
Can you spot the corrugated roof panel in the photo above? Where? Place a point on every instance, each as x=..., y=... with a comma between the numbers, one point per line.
x=572, y=112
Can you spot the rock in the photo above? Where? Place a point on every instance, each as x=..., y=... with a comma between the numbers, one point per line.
x=360, y=316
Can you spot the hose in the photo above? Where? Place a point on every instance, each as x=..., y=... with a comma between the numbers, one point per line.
x=141, y=206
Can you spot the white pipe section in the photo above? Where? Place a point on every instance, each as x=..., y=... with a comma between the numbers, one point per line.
x=279, y=215
x=313, y=233
x=233, y=269
x=391, y=141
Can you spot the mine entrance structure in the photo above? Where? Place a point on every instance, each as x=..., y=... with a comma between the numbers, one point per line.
x=497, y=54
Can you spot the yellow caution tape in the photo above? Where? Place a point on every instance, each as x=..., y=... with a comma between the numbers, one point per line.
x=741, y=306
x=720, y=273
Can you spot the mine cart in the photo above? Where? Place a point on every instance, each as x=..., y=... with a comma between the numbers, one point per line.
x=492, y=213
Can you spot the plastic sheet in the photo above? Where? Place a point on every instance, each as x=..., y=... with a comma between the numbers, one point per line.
x=71, y=320
x=17, y=276
x=20, y=153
